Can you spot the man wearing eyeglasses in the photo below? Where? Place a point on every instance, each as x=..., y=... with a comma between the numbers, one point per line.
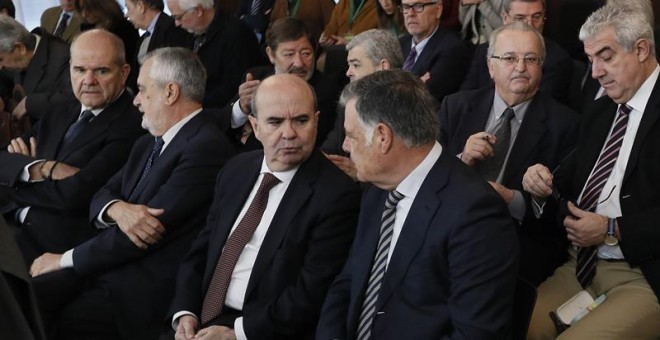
x=437, y=55
x=501, y=132
x=557, y=65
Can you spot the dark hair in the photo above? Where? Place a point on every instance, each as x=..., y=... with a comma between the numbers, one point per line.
x=288, y=29
x=155, y=4
x=9, y=6
x=392, y=22
x=109, y=10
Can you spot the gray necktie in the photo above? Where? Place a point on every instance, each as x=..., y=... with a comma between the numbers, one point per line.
x=490, y=168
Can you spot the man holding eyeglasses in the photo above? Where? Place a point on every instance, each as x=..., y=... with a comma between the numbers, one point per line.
x=615, y=170
x=437, y=55
x=501, y=132
x=557, y=65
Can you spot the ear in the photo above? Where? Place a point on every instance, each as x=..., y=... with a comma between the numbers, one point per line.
x=254, y=121
x=643, y=49
x=489, y=62
x=385, y=64
x=125, y=70
x=506, y=19
x=383, y=137
x=20, y=48
x=271, y=54
x=439, y=13
x=172, y=93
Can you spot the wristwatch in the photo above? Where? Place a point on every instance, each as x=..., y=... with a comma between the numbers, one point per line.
x=610, y=238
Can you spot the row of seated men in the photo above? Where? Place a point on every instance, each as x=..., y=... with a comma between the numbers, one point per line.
x=456, y=275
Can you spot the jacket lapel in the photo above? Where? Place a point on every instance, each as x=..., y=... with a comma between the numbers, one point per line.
x=649, y=120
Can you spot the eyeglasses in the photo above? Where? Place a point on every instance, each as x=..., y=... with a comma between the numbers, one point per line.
x=418, y=7
x=177, y=17
x=514, y=59
x=534, y=18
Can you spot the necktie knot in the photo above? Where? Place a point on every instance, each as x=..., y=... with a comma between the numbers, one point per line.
x=146, y=34
x=268, y=182
x=393, y=199
x=508, y=114
x=625, y=109
x=158, y=144
x=86, y=116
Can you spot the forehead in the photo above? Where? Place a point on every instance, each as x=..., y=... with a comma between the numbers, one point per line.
x=522, y=42
x=300, y=43
x=101, y=54
x=604, y=40
x=524, y=7
x=357, y=53
x=284, y=101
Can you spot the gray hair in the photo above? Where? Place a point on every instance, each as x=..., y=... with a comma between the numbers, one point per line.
x=114, y=40
x=188, y=4
x=379, y=44
x=181, y=66
x=507, y=4
x=642, y=6
x=629, y=25
x=398, y=99
x=11, y=31
x=519, y=26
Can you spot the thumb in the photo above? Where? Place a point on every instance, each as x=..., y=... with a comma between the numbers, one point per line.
x=575, y=211
x=155, y=212
x=249, y=77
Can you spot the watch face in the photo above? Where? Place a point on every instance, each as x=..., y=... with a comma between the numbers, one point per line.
x=610, y=240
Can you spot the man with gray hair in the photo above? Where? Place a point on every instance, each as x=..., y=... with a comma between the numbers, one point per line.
x=368, y=52
x=40, y=64
x=501, y=132
x=610, y=189
x=441, y=262
x=116, y=284
x=225, y=45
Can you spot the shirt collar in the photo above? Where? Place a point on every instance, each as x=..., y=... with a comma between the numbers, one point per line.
x=169, y=135
x=413, y=182
x=518, y=110
x=641, y=97
x=283, y=176
x=152, y=24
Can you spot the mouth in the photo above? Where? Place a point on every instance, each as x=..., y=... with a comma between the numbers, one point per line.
x=606, y=83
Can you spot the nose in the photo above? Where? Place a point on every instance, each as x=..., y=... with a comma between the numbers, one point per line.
x=137, y=100
x=520, y=65
x=349, y=72
x=346, y=146
x=597, y=70
x=89, y=78
x=297, y=60
x=288, y=130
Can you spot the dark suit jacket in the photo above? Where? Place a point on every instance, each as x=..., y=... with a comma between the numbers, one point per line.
x=20, y=314
x=453, y=270
x=49, y=22
x=640, y=202
x=327, y=94
x=99, y=151
x=165, y=34
x=557, y=71
x=259, y=21
x=229, y=50
x=46, y=80
x=181, y=183
x=304, y=248
x=445, y=57
x=546, y=136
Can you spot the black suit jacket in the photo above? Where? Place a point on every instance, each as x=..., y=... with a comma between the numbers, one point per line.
x=165, y=34
x=557, y=71
x=327, y=93
x=99, y=151
x=46, y=80
x=140, y=282
x=304, y=248
x=639, y=196
x=445, y=57
x=229, y=50
x=546, y=136
x=453, y=270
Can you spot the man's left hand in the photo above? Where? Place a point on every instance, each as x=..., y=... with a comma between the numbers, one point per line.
x=585, y=228
x=216, y=333
x=18, y=145
x=45, y=263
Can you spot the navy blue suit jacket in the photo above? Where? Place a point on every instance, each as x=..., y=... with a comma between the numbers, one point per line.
x=546, y=136
x=453, y=270
x=445, y=57
x=305, y=247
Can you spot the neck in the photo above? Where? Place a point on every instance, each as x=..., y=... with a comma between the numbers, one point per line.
x=513, y=99
x=398, y=170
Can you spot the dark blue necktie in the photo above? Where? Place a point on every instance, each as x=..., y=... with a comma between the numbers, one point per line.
x=155, y=152
x=77, y=127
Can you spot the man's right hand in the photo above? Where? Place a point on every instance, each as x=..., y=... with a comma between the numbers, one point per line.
x=477, y=148
x=186, y=328
x=538, y=181
x=138, y=222
x=245, y=93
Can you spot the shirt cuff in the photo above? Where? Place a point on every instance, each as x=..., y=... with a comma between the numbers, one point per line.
x=67, y=259
x=238, y=117
x=25, y=174
x=537, y=207
x=175, y=318
x=239, y=330
x=100, y=223
x=517, y=206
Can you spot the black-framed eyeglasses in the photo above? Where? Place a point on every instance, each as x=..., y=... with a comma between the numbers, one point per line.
x=514, y=59
x=417, y=7
x=177, y=17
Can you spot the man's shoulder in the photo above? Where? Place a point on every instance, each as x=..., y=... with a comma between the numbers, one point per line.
x=51, y=12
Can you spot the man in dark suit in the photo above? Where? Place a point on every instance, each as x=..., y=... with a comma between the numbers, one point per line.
x=441, y=263
x=20, y=317
x=56, y=168
x=117, y=283
x=41, y=68
x=159, y=27
x=290, y=48
x=226, y=46
x=263, y=264
x=612, y=188
x=541, y=131
x=558, y=64
x=256, y=14
x=62, y=21
x=437, y=55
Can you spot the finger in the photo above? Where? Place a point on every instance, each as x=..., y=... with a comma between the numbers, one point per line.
x=575, y=211
x=249, y=77
x=10, y=148
x=155, y=211
x=137, y=241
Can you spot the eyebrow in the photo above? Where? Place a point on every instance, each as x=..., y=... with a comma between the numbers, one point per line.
x=606, y=48
x=353, y=60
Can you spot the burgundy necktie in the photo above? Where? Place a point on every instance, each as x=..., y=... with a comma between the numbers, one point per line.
x=587, y=256
x=216, y=293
